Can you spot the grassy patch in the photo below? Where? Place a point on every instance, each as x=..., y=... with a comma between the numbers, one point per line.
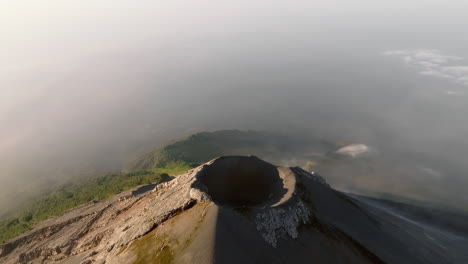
x=174, y=168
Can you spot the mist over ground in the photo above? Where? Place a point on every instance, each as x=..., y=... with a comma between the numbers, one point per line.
x=85, y=85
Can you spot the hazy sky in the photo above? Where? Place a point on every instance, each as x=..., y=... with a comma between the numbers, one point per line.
x=84, y=84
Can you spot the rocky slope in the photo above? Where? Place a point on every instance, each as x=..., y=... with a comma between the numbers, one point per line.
x=237, y=209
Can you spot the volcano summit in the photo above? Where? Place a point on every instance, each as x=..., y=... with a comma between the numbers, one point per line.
x=238, y=209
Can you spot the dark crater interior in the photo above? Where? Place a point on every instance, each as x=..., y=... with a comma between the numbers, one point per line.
x=241, y=181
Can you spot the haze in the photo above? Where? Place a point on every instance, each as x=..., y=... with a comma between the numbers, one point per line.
x=84, y=85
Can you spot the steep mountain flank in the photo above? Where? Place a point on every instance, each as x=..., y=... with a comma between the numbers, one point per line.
x=237, y=209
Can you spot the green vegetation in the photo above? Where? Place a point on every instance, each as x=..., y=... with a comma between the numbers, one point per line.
x=202, y=147
x=80, y=192
x=173, y=168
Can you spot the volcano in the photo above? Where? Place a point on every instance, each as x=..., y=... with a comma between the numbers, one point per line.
x=239, y=209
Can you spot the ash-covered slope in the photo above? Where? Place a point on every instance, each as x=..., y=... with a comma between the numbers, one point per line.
x=237, y=209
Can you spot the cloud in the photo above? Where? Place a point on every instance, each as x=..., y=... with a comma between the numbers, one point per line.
x=353, y=150
x=432, y=62
x=432, y=172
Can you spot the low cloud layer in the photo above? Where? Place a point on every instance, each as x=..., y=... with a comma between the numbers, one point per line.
x=86, y=86
x=433, y=62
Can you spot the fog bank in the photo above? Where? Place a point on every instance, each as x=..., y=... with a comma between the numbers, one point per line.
x=85, y=85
